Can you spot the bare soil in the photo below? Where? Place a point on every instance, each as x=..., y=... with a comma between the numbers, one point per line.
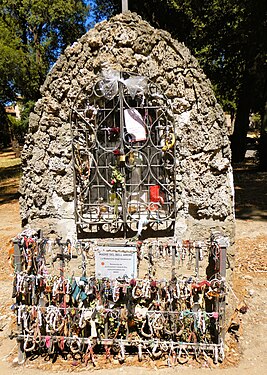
x=245, y=346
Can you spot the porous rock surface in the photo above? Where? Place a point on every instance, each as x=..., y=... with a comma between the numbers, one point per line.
x=128, y=43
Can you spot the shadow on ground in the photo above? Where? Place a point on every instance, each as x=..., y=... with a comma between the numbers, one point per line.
x=9, y=183
x=250, y=193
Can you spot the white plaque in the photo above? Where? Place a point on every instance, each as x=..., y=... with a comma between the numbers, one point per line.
x=116, y=261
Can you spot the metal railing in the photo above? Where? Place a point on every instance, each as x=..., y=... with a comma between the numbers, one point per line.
x=124, y=159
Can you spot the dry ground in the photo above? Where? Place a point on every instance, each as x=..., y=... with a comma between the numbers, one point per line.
x=245, y=348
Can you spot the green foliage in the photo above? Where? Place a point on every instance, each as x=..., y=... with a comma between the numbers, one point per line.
x=106, y=8
x=16, y=129
x=228, y=37
x=11, y=60
x=33, y=33
x=255, y=122
x=38, y=30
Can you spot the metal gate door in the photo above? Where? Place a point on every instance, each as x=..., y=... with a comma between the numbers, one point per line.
x=124, y=159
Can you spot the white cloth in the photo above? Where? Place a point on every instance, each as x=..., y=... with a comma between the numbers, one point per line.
x=134, y=125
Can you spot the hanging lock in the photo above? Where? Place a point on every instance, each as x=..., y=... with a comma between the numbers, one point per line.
x=169, y=142
x=122, y=158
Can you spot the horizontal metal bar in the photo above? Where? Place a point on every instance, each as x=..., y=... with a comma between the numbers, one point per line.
x=177, y=344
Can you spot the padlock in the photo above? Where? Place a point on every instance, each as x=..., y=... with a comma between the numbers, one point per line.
x=122, y=158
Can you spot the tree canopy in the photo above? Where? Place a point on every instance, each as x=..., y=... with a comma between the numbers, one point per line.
x=227, y=36
x=229, y=39
x=32, y=35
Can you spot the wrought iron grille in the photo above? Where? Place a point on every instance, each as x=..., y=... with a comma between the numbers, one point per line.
x=124, y=159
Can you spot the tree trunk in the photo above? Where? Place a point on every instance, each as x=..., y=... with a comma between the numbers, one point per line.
x=15, y=147
x=14, y=142
x=263, y=143
x=241, y=127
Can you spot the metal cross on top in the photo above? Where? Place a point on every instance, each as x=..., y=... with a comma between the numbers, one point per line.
x=124, y=6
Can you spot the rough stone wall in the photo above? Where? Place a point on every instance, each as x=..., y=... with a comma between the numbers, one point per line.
x=126, y=42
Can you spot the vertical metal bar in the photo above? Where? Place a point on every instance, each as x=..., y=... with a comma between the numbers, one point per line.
x=18, y=268
x=197, y=260
x=17, y=256
x=83, y=262
x=124, y=6
x=223, y=251
x=62, y=261
x=74, y=176
x=121, y=116
x=21, y=352
x=221, y=305
x=223, y=256
x=106, y=327
x=173, y=262
x=150, y=261
x=123, y=195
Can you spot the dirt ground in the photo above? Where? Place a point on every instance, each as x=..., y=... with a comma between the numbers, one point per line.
x=245, y=347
